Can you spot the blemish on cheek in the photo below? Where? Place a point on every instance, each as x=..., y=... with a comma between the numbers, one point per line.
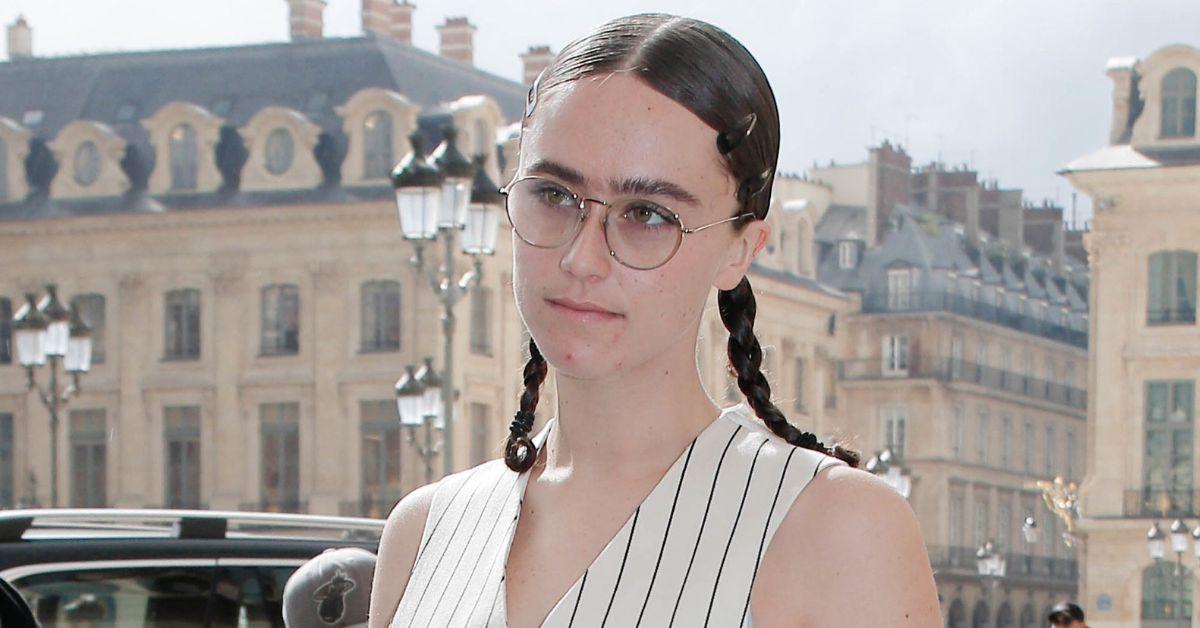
x=569, y=356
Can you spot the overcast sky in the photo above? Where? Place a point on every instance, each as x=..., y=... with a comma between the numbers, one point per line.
x=1016, y=88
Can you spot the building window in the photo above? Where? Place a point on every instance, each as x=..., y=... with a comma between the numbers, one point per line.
x=899, y=288
x=895, y=355
x=181, y=336
x=181, y=436
x=377, y=146
x=1003, y=522
x=895, y=424
x=798, y=383
x=957, y=433
x=381, y=316
x=981, y=437
x=7, y=481
x=87, y=163
x=481, y=321
x=91, y=310
x=184, y=152
x=280, y=151
x=89, y=463
x=5, y=331
x=1027, y=446
x=981, y=522
x=1170, y=412
x=847, y=254
x=1161, y=598
x=1005, y=367
x=1005, y=441
x=481, y=437
x=1179, y=103
x=956, y=521
x=1071, y=451
x=381, y=458
x=280, y=319
x=956, y=356
x=1049, y=451
x=1172, y=288
x=280, y=456
x=1027, y=381
x=980, y=360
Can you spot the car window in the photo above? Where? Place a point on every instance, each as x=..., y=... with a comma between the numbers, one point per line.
x=141, y=596
x=250, y=596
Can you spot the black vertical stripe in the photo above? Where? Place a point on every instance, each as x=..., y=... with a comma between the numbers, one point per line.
x=667, y=532
x=766, y=526
x=733, y=531
x=621, y=571
x=445, y=510
x=703, y=522
x=578, y=597
x=446, y=547
x=492, y=529
x=501, y=563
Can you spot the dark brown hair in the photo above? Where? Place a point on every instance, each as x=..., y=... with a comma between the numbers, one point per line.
x=712, y=75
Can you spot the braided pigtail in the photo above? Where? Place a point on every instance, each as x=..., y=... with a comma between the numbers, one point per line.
x=738, y=309
x=519, y=450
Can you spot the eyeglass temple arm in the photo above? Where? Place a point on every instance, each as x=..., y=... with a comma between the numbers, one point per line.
x=719, y=222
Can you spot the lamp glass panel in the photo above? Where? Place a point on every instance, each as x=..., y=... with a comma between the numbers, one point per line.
x=410, y=409
x=79, y=355
x=1157, y=548
x=57, y=333
x=456, y=196
x=30, y=350
x=418, y=207
x=479, y=235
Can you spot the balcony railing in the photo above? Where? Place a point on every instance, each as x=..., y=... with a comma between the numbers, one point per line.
x=952, y=370
x=1171, y=316
x=943, y=301
x=961, y=560
x=1161, y=502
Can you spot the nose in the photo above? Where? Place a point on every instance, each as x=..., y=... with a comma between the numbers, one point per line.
x=587, y=256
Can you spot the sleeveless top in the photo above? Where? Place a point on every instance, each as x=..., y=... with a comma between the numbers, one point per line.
x=687, y=556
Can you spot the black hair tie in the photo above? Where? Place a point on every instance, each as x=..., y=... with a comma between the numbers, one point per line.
x=522, y=423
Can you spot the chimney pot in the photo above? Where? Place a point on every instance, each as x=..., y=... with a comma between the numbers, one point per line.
x=388, y=18
x=20, y=39
x=538, y=58
x=457, y=40
x=306, y=19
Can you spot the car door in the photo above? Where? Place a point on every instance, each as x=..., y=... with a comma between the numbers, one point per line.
x=248, y=592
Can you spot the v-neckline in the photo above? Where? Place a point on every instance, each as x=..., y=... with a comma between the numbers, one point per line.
x=523, y=481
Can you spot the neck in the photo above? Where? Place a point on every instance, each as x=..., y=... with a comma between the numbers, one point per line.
x=631, y=425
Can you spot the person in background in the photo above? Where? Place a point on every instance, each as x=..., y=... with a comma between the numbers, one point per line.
x=1068, y=615
x=332, y=589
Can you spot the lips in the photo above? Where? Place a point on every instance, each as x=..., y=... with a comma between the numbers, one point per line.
x=583, y=310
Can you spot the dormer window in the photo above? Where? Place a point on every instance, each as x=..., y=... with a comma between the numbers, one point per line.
x=87, y=163
x=847, y=254
x=182, y=148
x=378, y=157
x=281, y=151
x=1179, y=104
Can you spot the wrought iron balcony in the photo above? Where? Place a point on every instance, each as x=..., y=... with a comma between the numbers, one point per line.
x=961, y=561
x=1167, y=503
x=946, y=369
x=943, y=301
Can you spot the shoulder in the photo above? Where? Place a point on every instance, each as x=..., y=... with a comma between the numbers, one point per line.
x=402, y=535
x=859, y=535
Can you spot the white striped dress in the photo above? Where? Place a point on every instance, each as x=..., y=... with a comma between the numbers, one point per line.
x=687, y=556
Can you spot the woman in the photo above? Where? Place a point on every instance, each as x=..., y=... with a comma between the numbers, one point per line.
x=647, y=155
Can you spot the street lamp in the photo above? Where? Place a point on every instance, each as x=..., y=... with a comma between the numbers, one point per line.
x=47, y=332
x=437, y=197
x=419, y=404
x=990, y=564
x=1156, y=542
x=887, y=466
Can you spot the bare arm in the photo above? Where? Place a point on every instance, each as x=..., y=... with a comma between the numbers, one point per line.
x=849, y=552
x=397, y=553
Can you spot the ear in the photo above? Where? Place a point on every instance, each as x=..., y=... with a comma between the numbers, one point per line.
x=745, y=246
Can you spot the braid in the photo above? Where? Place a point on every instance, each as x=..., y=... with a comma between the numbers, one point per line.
x=738, y=309
x=519, y=450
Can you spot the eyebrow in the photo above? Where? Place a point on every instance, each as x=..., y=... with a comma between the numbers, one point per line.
x=641, y=186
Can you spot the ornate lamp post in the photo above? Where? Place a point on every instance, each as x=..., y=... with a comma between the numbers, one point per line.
x=418, y=398
x=436, y=199
x=1156, y=545
x=887, y=466
x=991, y=564
x=46, y=332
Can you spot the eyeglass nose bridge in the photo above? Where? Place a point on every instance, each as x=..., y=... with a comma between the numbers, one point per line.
x=584, y=212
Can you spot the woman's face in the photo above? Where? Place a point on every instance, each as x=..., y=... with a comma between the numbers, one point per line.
x=600, y=137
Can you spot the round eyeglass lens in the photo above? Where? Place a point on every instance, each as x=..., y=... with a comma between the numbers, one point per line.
x=542, y=212
x=642, y=234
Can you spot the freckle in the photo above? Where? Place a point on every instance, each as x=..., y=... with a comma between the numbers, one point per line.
x=570, y=356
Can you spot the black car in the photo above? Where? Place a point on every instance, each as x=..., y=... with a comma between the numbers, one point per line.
x=164, y=567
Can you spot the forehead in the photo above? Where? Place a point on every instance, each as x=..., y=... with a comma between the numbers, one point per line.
x=614, y=127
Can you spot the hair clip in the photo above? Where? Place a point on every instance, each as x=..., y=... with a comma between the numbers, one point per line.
x=730, y=139
x=752, y=186
x=531, y=99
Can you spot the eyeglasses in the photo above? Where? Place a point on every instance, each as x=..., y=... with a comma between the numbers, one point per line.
x=640, y=233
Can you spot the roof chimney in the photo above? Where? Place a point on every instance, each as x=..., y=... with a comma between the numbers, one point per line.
x=20, y=39
x=538, y=58
x=457, y=35
x=388, y=18
x=306, y=19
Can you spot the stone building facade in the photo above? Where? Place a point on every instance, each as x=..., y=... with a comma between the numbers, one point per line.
x=1145, y=342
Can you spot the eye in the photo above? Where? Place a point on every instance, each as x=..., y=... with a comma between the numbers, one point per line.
x=553, y=195
x=648, y=214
